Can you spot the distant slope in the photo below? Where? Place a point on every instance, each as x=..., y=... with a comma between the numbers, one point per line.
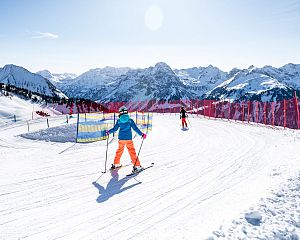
x=21, y=108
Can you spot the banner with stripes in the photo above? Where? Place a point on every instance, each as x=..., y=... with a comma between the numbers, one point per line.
x=92, y=127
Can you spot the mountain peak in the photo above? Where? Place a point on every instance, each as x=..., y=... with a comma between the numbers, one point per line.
x=45, y=73
x=22, y=78
x=9, y=67
x=161, y=64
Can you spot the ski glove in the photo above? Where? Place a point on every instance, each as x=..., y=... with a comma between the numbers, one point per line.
x=106, y=133
x=144, y=135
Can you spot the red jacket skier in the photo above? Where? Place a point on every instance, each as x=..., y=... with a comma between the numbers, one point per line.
x=183, y=116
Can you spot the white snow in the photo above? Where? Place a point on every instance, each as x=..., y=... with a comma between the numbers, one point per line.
x=203, y=178
x=21, y=108
x=274, y=217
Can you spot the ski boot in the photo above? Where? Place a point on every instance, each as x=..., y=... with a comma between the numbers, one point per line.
x=115, y=167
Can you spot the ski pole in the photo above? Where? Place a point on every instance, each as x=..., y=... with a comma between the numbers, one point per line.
x=106, y=153
x=137, y=157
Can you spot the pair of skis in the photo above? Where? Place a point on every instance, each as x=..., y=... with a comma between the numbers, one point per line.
x=134, y=172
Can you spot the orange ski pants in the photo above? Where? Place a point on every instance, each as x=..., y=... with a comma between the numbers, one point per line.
x=131, y=150
x=183, y=122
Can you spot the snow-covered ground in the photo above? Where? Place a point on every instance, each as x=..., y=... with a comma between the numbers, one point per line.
x=204, y=184
x=22, y=109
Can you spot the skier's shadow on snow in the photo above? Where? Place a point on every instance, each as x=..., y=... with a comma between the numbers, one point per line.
x=114, y=186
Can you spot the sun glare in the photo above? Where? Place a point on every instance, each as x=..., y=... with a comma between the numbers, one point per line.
x=154, y=17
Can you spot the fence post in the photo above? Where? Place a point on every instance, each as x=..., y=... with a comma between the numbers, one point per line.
x=243, y=111
x=204, y=108
x=256, y=110
x=297, y=109
x=15, y=118
x=136, y=117
x=234, y=116
x=228, y=110
x=249, y=111
x=222, y=109
x=197, y=107
x=265, y=113
x=273, y=113
x=284, y=113
x=28, y=125
x=216, y=109
x=47, y=122
x=209, y=109
x=77, y=126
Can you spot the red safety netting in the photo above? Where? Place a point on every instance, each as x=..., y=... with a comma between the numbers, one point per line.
x=283, y=113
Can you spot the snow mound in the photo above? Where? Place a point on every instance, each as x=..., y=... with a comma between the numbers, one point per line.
x=276, y=217
x=253, y=218
x=61, y=134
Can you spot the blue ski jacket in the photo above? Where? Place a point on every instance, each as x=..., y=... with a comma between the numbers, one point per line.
x=125, y=129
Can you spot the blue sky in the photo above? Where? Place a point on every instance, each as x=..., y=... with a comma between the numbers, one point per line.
x=76, y=35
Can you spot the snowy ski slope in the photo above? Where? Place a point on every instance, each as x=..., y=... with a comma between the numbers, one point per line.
x=202, y=178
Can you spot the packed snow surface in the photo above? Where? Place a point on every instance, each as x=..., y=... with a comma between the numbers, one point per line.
x=203, y=178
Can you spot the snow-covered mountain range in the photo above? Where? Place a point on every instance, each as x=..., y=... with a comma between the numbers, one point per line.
x=161, y=82
x=158, y=82
x=56, y=78
x=21, y=78
x=202, y=79
x=93, y=84
x=264, y=84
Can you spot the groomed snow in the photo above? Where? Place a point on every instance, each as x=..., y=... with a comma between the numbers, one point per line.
x=203, y=178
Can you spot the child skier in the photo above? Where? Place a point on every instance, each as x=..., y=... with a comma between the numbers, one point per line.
x=125, y=123
x=183, y=116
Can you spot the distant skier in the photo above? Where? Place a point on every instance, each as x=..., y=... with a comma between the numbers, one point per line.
x=125, y=123
x=183, y=116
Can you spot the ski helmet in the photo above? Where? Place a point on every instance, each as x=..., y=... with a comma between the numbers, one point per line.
x=124, y=117
x=123, y=110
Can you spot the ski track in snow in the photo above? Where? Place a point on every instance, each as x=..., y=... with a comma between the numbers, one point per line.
x=202, y=178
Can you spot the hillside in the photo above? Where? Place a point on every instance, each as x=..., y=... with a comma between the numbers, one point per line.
x=21, y=78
